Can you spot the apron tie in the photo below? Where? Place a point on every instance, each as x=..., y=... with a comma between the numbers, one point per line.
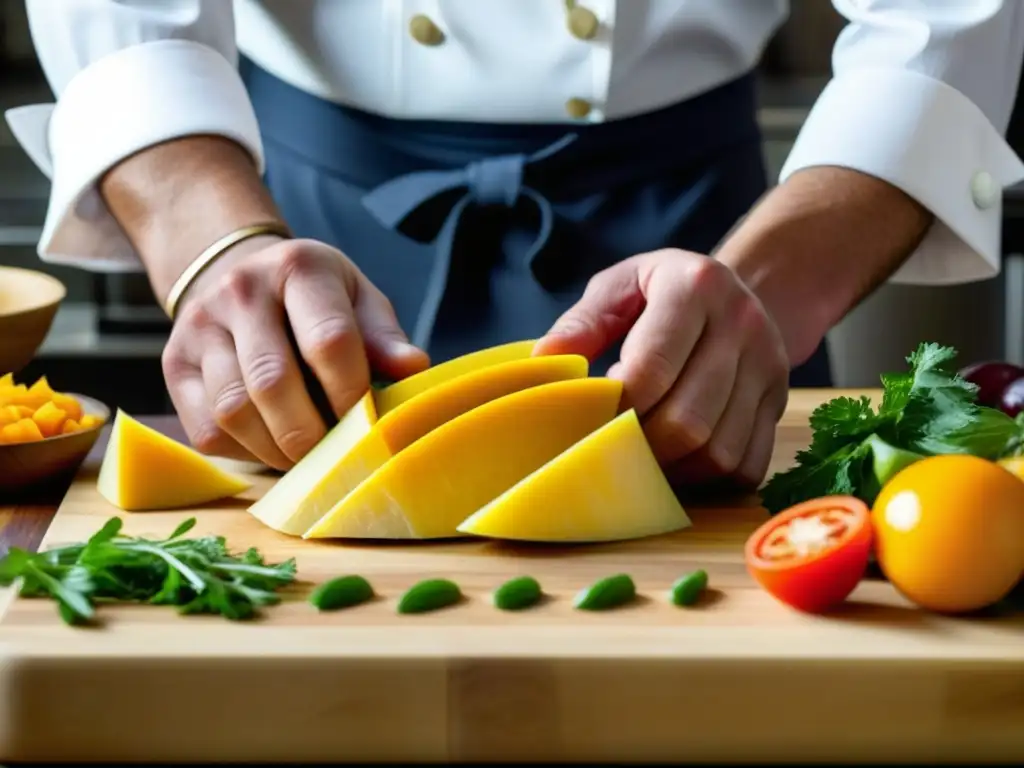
x=431, y=206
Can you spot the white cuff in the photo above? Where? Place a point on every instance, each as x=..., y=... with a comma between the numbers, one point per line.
x=932, y=142
x=118, y=105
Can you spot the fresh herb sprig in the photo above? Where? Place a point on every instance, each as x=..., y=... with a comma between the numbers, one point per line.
x=197, y=575
x=928, y=410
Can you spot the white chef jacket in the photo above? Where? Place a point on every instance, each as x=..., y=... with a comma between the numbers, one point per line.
x=920, y=96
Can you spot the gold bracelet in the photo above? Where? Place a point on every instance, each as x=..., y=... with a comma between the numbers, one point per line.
x=212, y=253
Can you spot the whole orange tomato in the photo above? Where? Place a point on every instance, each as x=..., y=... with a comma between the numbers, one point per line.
x=949, y=532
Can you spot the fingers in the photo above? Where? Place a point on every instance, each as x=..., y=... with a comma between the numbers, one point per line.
x=320, y=313
x=610, y=304
x=228, y=400
x=668, y=331
x=756, y=459
x=188, y=394
x=387, y=347
x=686, y=418
x=272, y=378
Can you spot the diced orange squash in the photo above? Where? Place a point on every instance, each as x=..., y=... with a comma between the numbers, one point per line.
x=69, y=405
x=8, y=415
x=52, y=413
x=24, y=431
x=38, y=394
x=50, y=419
x=90, y=420
x=15, y=395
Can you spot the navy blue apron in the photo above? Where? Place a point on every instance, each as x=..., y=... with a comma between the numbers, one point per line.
x=481, y=234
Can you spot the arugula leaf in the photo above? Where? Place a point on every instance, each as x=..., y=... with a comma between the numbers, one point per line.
x=928, y=409
x=195, y=575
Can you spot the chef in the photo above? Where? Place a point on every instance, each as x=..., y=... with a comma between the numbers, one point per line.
x=364, y=187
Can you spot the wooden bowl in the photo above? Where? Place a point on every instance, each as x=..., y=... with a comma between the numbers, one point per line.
x=28, y=304
x=23, y=465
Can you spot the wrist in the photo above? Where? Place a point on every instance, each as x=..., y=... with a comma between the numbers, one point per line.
x=222, y=265
x=174, y=200
x=820, y=243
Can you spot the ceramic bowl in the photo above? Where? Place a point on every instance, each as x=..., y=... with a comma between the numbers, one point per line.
x=23, y=465
x=28, y=303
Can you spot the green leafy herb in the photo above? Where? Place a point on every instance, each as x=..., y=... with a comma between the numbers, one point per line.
x=196, y=575
x=927, y=410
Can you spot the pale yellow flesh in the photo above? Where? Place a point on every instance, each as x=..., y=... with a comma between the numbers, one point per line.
x=351, y=451
x=361, y=442
x=428, y=489
x=143, y=469
x=606, y=487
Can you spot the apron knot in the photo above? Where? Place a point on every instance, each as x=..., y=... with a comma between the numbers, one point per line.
x=432, y=206
x=496, y=180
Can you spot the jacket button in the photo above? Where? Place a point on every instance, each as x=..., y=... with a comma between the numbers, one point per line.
x=984, y=190
x=577, y=108
x=425, y=31
x=583, y=23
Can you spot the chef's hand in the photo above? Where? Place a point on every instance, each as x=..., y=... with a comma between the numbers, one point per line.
x=231, y=370
x=702, y=362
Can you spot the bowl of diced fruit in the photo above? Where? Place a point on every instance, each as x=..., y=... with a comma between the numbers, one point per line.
x=44, y=434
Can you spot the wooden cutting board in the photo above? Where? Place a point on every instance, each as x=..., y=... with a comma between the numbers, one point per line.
x=739, y=677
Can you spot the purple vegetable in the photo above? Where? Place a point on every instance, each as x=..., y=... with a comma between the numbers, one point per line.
x=992, y=378
x=1012, y=400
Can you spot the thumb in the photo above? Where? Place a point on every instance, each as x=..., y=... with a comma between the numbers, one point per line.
x=604, y=314
x=388, y=349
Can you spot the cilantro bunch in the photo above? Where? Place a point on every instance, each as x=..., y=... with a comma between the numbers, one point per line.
x=196, y=575
x=925, y=411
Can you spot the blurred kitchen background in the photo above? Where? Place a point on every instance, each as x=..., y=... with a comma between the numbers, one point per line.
x=108, y=335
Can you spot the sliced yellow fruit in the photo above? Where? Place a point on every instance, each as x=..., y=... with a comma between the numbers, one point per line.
x=361, y=443
x=428, y=489
x=402, y=391
x=143, y=469
x=606, y=487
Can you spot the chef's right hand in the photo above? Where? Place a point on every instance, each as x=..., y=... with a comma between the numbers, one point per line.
x=231, y=370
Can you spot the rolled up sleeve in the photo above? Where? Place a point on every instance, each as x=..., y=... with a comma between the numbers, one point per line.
x=126, y=76
x=921, y=97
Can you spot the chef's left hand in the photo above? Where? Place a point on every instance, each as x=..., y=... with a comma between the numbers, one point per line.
x=702, y=362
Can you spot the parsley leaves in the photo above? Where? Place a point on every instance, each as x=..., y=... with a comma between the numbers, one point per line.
x=196, y=575
x=928, y=410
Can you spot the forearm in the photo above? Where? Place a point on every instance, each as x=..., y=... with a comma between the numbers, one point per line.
x=818, y=244
x=174, y=199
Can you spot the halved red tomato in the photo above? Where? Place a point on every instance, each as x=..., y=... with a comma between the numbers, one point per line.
x=812, y=555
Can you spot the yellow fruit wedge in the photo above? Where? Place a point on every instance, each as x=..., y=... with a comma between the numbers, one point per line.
x=606, y=487
x=402, y=391
x=362, y=442
x=143, y=469
x=428, y=489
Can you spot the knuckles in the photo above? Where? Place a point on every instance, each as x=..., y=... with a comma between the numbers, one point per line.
x=240, y=287
x=710, y=277
x=230, y=404
x=330, y=337
x=267, y=372
x=208, y=439
x=295, y=257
